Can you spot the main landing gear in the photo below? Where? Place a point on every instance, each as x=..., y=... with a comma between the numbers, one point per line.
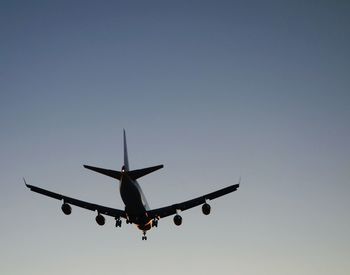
x=144, y=237
x=118, y=222
x=155, y=223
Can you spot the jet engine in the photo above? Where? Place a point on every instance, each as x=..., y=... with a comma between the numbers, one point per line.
x=66, y=208
x=206, y=209
x=100, y=219
x=177, y=219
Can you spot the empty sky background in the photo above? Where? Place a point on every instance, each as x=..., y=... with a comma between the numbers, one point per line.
x=214, y=90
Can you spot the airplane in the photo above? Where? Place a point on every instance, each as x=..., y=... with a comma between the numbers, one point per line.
x=137, y=210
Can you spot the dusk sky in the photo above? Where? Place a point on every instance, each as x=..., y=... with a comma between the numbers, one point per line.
x=214, y=90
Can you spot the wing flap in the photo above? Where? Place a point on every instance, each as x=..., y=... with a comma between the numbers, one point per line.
x=172, y=209
x=83, y=204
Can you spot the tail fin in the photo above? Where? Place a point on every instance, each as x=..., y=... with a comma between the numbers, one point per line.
x=135, y=174
x=126, y=160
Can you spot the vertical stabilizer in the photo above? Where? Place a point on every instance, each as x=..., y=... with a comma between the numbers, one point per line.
x=126, y=160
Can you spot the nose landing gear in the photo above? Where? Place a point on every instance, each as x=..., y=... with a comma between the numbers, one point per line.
x=144, y=237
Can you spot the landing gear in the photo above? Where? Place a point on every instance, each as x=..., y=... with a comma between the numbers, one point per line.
x=118, y=222
x=144, y=237
x=155, y=223
x=128, y=221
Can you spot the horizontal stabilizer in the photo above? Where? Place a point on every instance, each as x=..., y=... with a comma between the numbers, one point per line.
x=135, y=174
x=106, y=172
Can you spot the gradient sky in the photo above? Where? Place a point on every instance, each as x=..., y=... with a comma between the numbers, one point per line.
x=214, y=90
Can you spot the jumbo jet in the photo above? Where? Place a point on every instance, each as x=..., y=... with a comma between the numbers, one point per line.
x=137, y=210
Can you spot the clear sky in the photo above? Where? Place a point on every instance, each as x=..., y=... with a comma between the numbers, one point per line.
x=214, y=90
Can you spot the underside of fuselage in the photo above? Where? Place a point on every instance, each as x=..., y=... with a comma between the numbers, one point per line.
x=135, y=203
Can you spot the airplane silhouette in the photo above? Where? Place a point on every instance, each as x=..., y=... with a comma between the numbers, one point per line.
x=136, y=210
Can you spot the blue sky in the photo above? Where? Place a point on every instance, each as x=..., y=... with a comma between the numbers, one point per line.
x=214, y=90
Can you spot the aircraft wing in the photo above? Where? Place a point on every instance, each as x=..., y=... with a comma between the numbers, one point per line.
x=83, y=204
x=172, y=209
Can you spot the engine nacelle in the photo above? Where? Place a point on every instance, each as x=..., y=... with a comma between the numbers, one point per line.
x=66, y=209
x=177, y=219
x=206, y=209
x=100, y=219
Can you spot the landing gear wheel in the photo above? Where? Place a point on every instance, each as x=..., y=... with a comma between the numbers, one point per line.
x=144, y=237
x=118, y=223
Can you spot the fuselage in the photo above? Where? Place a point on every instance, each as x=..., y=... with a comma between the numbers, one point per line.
x=135, y=202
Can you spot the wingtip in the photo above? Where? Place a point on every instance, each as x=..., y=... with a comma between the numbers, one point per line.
x=25, y=182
